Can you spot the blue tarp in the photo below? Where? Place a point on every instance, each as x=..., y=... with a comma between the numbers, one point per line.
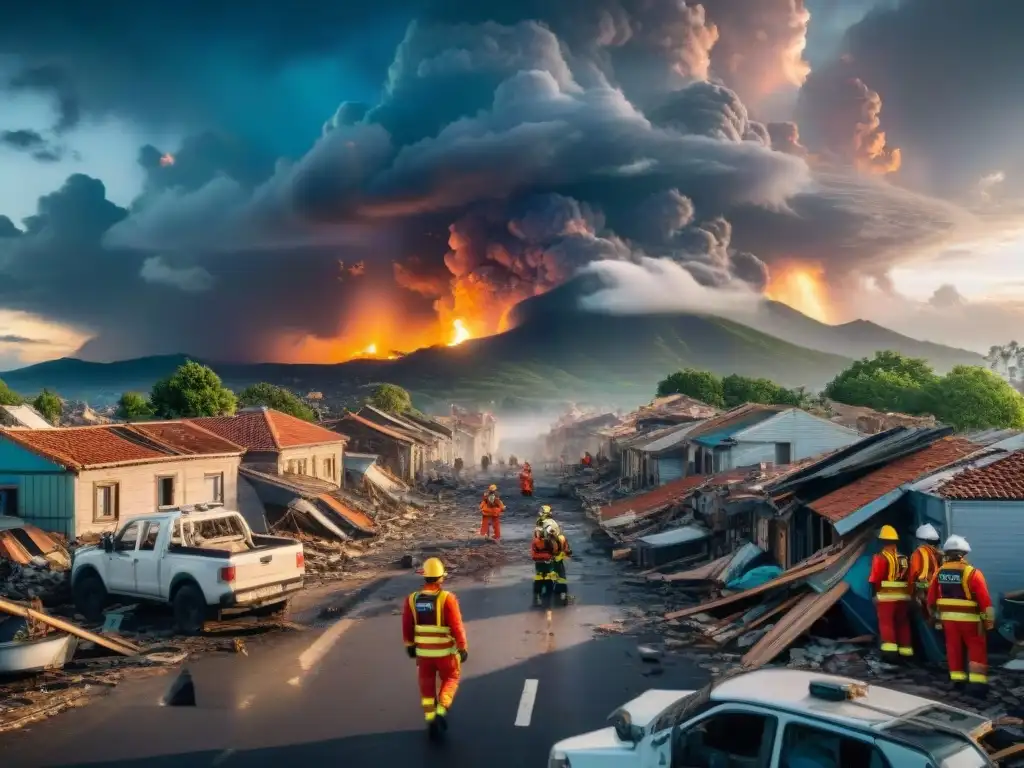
x=755, y=577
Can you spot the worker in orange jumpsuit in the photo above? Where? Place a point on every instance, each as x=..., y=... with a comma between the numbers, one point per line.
x=491, y=509
x=526, y=481
x=542, y=552
x=889, y=583
x=960, y=596
x=435, y=636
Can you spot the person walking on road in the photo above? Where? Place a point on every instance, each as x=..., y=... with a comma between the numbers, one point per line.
x=888, y=580
x=491, y=510
x=562, y=553
x=526, y=481
x=960, y=595
x=435, y=637
x=542, y=552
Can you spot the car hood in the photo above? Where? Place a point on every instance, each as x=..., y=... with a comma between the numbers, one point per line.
x=647, y=706
x=601, y=741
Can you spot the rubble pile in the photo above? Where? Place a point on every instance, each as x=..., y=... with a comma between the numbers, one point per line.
x=37, y=580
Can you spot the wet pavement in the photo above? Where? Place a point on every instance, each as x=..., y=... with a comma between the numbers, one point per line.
x=347, y=693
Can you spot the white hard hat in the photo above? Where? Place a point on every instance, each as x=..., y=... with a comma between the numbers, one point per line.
x=956, y=544
x=927, y=532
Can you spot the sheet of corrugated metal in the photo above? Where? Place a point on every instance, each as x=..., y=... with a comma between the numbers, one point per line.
x=669, y=469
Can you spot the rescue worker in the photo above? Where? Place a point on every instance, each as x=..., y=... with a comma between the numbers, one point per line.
x=435, y=636
x=924, y=563
x=960, y=595
x=889, y=583
x=543, y=514
x=562, y=553
x=491, y=509
x=542, y=551
x=526, y=481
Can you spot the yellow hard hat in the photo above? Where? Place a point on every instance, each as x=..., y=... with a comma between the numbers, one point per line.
x=544, y=511
x=433, y=568
x=493, y=488
x=888, y=533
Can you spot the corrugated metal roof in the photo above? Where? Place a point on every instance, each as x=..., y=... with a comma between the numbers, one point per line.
x=359, y=462
x=672, y=437
x=675, y=536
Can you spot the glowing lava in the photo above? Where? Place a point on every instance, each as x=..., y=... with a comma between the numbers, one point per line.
x=370, y=351
x=459, y=333
x=166, y=159
x=801, y=288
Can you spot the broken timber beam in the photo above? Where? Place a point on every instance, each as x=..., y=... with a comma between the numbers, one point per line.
x=118, y=646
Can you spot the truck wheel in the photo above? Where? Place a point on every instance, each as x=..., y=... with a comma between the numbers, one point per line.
x=189, y=609
x=90, y=597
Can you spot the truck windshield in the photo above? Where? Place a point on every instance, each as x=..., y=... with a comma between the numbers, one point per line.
x=948, y=750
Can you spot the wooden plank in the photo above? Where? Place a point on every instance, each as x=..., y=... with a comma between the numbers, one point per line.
x=785, y=605
x=793, y=575
x=1016, y=749
x=706, y=572
x=680, y=561
x=799, y=619
x=118, y=646
x=622, y=554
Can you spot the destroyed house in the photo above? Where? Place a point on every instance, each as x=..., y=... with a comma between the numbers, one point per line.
x=860, y=486
x=287, y=444
x=752, y=434
x=580, y=437
x=657, y=457
x=436, y=446
x=982, y=499
x=398, y=451
x=75, y=480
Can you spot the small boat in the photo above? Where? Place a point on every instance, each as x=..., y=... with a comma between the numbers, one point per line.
x=53, y=652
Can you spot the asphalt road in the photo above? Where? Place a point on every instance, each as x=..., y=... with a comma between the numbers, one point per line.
x=346, y=694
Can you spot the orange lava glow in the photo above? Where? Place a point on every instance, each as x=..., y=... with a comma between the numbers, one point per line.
x=459, y=333
x=802, y=288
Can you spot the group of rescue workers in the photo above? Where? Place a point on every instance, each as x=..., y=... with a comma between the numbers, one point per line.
x=432, y=627
x=949, y=594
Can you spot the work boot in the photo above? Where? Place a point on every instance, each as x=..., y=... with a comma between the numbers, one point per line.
x=441, y=719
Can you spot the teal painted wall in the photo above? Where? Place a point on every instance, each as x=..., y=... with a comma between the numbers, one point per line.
x=46, y=491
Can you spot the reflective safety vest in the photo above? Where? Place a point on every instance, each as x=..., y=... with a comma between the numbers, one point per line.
x=956, y=603
x=432, y=636
x=540, y=551
x=564, y=550
x=894, y=586
x=929, y=565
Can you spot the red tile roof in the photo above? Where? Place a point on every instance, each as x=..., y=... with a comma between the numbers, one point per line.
x=80, y=447
x=645, y=504
x=1002, y=480
x=393, y=433
x=181, y=437
x=268, y=430
x=354, y=516
x=845, y=501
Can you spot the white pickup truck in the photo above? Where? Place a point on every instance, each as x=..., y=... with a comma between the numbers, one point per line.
x=203, y=561
x=781, y=718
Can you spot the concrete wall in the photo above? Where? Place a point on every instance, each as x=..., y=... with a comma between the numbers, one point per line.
x=807, y=436
x=289, y=461
x=137, y=488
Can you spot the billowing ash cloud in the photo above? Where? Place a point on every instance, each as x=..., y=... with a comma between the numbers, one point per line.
x=503, y=157
x=841, y=117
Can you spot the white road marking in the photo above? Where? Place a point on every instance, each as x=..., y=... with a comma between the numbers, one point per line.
x=312, y=655
x=526, y=702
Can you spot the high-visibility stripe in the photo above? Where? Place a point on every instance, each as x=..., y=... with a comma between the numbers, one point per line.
x=955, y=616
x=433, y=640
x=957, y=677
x=904, y=651
x=956, y=602
x=892, y=597
x=889, y=647
x=894, y=584
x=431, y=654
x=974, y=677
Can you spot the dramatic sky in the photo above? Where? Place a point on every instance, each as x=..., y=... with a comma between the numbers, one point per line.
x=251, y=182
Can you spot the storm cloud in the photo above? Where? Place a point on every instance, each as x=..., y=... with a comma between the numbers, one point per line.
x=511, y=148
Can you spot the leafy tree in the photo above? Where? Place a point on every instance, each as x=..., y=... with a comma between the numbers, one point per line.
x=738, y=390
x=275, y=397
x=49, y=406
x=887, y=382
x=133, y=406
x=8, y=396
x=391, y=398
x=192, y=390
x=971, y=397
x=700, y=385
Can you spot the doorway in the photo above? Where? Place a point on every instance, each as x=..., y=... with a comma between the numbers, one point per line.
x=9, y=500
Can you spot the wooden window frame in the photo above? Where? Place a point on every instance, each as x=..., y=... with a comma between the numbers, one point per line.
x=115, y=498
x=207, y=476
x=159, y=480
